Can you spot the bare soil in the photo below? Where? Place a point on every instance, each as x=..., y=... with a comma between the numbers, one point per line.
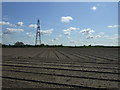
x=86, y=68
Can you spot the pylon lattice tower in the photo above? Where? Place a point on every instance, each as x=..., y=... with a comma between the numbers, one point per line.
x=38, y=33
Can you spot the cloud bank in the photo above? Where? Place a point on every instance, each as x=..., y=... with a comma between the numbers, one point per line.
x=33, y=26
x=49, y=31
x=87, y=31
x=4, y=23
x=12, y=30
x=19, y=24
x=69, y=30
x=113, y=26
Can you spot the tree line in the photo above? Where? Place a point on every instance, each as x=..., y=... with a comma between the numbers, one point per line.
x=21, y=44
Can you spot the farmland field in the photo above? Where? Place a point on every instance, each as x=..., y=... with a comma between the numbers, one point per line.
x=86, y=68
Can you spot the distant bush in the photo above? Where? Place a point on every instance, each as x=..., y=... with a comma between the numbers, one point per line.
x=19, y=44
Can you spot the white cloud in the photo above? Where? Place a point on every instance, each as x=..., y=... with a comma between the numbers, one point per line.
x=110, y=26
x=101, y=35
x=33, y=25
x=49, y=31
x=113, y=26
x=55, y=39
x=4, y=23
x=93, y=8
x=66, y=19
x=13, y=25
x=114, y=36
x=52, y=40
x=89, y=37
x=19, y=23
x=68, y=37
x=30, y=35
x=12, y=30
x=71, y=29
x=68, y=31
x=98, y=36
x=87, y=31
x=95, y=36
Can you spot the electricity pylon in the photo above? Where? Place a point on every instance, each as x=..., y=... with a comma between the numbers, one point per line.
x=38, y=34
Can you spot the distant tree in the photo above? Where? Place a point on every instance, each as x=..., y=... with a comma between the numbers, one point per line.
x=89, y=45
x=19, y=43
x=84, y=45
x=0, y=44
x=42, y=45
x=9, y=45
x=61, y=45
x=46, y=45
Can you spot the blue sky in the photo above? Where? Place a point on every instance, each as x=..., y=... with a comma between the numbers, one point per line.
x=67, y=23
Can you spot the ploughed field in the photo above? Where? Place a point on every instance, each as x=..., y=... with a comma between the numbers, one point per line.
x=86, y=68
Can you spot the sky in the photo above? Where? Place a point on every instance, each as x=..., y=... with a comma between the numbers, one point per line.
x=66, y=23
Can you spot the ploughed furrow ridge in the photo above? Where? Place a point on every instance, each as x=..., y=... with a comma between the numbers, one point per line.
x=83, y=68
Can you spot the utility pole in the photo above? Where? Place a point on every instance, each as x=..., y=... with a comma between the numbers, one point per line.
x=38, y=33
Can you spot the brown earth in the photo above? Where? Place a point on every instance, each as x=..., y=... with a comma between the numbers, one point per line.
x=86, y=68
